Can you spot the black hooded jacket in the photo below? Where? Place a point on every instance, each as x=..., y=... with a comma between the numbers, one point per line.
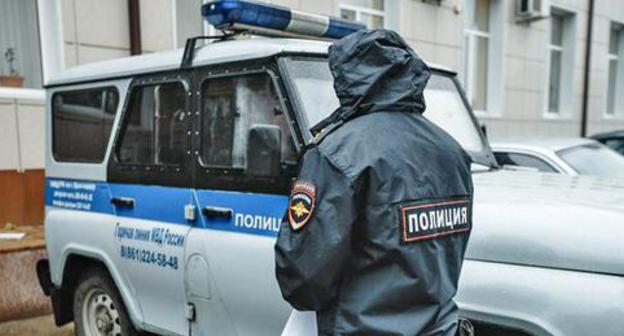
x=380, y=215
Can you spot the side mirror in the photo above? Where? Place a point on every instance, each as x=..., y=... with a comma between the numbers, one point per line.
x=264, y=150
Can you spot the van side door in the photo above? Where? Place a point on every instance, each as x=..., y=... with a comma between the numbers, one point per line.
x=150, y=177
x=229, y=254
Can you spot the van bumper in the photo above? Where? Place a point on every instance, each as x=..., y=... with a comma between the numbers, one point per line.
x=45, y=281
x=43, y=274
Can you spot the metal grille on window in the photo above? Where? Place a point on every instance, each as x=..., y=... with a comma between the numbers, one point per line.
x=231, y=106
x=155, y=129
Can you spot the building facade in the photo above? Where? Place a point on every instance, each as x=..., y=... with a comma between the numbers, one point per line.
x=522, y=78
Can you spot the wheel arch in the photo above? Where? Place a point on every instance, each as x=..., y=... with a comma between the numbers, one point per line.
x=74, y=260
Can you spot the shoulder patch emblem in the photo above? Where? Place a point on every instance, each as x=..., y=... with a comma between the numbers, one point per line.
x=434, y=218
x=301, y=205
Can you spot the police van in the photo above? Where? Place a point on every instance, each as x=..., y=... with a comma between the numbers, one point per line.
x=167, y=177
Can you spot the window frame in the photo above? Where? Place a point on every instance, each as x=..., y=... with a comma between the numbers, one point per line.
x=229, y=74
x=111, y=135
x=26, y=39
x=495, y=37
x=618, y=57
x=134, y=86
x=552, y=48
x=231, y=178
x=567, y=64
x=159, y=174
x=472, y=36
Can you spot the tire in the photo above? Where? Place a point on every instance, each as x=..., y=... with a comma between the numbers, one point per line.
x=98, y=307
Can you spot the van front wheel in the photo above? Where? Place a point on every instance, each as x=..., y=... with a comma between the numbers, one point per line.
x=98, y=308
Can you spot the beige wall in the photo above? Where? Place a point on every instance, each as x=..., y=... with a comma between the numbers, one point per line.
x=525, y=68
x=96, y=30
x=436, y=32
x=21, y=156
x=433, y=31
x=22, y=130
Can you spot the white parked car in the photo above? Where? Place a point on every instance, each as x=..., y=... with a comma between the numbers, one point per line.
x=572, y=156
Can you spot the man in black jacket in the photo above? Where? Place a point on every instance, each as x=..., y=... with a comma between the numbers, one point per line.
x=381, y=212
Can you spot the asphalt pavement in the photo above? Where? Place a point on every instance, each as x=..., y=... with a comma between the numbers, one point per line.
x=38, y=326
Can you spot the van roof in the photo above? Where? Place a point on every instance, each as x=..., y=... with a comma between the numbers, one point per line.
x=212, y=53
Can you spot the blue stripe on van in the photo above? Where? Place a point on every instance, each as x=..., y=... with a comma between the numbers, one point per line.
x=258, y=214
x=78, y=195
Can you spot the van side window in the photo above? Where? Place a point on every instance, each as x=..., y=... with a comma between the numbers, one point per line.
x=230, y=107
x=154, y=131
x=81, y=124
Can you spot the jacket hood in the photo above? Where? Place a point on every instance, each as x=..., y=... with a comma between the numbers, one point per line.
x=375, y=70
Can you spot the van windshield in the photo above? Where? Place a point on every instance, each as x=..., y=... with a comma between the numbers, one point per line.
x=312, y=84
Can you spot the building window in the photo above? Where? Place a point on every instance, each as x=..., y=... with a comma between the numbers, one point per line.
x=483, y=55
x=477, y=35
x=615, y=83
x=560, y=60
x=556, y=56
x=20, y=54
x=369, y=12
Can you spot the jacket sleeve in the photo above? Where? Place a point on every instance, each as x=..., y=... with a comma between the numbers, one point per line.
x=310, y=257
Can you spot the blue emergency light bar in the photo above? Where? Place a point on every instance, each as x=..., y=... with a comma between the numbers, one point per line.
x=239, y=15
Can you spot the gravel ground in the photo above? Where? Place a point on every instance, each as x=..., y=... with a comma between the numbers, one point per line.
x=43, y=326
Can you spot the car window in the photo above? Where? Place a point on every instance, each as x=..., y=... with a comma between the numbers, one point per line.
x=616, y=144
x=522, y=160
x=593, y=159
x=155, y=127
x=81, y=123
x=231, y=106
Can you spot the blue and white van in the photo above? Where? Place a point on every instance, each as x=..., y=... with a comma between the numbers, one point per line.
x=167, y=176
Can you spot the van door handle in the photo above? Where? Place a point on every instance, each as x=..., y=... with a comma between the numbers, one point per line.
x=123, y=202
x=217, y=212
